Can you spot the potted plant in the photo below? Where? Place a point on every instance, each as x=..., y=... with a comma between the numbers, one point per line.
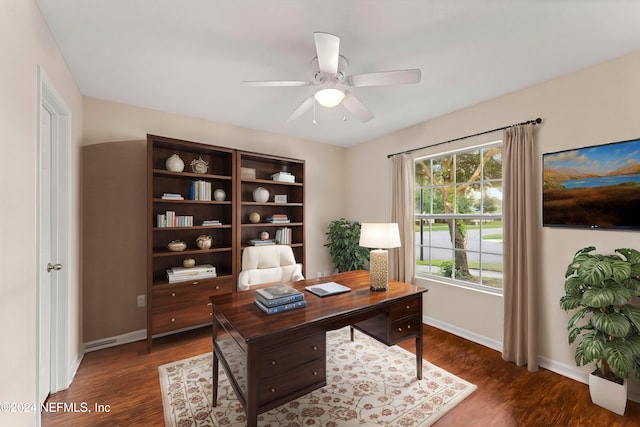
x=600, y=288
x=344, y=245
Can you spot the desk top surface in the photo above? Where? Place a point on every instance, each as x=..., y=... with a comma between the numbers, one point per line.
x=239, y=310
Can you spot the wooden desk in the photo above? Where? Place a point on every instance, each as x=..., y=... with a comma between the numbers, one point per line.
x=271, y=360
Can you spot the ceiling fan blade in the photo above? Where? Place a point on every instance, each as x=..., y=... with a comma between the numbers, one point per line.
x=354, y=106
x=385, y=78
x=277, y=83
x=328, y=51
x=306, y=104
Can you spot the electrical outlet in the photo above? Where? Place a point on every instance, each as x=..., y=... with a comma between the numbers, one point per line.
x=141, y=300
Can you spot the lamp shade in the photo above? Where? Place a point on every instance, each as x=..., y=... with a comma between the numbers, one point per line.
x=380, y=235
x=329, y=98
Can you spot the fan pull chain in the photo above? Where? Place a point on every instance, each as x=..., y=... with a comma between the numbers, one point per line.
x=314, y=112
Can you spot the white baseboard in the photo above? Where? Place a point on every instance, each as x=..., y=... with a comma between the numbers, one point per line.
x=572, y=372
x=114, y=341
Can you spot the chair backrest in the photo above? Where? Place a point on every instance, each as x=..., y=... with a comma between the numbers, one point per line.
x=267, y=264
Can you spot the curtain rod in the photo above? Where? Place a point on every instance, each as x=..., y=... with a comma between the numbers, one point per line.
x=528, y=122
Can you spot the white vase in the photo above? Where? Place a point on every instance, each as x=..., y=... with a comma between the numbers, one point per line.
x=608, y=394
x=219, y=195
x=261, y=195
x=174, y=164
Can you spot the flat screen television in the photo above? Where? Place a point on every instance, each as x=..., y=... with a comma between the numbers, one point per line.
x=593, y=187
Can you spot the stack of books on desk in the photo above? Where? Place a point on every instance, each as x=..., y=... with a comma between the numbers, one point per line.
x=279, y=298
x=182, y=274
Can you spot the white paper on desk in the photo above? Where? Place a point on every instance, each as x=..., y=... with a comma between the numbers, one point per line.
x=326, y=289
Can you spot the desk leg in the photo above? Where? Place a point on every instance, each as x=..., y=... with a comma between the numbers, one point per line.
x=419, y=356
x=214, y=375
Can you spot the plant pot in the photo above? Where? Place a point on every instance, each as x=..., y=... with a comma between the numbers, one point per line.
x=608, y=394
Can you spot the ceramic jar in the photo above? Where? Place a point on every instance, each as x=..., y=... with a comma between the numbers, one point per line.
x=174, y=164
x=261, y=195
x=177, y=246
x=264, y=235
x=219, y=194
x=204, y=241
x=188, y=262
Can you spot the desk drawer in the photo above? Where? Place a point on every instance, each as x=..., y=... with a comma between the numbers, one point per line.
x=189, y=293
x=404, y=308
x=409, y=326
x=293, y=380
x=170, y=320
x=282, y=358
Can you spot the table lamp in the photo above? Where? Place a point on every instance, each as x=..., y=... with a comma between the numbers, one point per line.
x=380, y=236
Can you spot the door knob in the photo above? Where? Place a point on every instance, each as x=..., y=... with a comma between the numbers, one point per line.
x=53, y=267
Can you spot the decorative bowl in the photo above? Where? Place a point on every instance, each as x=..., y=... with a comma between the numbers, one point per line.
x=177, y=246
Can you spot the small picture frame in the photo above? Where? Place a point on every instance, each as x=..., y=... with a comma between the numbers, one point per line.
x=280, y=198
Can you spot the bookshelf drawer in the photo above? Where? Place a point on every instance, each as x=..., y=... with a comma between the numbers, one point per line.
x=295, y=381
x=282, y=358
x=170, y=320
x=189, y=293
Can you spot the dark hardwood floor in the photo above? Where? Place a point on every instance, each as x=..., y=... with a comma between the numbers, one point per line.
x=123, y=382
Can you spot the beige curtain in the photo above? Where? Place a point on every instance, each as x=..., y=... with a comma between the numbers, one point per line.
x=402, y=260
x=520, y=221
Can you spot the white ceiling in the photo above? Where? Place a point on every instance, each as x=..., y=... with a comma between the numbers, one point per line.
x=190, y=56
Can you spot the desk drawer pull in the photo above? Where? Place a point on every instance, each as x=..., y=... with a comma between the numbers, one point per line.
x=217, y=288
x=194, y=283
x=173, y=319
x=315, y=373
x=273, y=390
x=399, y=329
x=408, y=307
x=173, y=294
x=273, y=363
x=315, y=347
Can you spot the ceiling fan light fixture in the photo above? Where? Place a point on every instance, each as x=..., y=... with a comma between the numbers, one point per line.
x=329, y=98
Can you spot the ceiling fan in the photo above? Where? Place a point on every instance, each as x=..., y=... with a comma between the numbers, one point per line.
x=329, y=75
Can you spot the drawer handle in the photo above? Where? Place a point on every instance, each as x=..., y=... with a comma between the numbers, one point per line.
x=408, y=307
x=273, y=363
x=217, y=288
x=315, y=373
x=173, y=294
x=315, y=347
x=210, y=314
x=273, y=390
x=209, y=304
x=399, y=329
x=194, y=283
x=408, y=326
x=173, y=319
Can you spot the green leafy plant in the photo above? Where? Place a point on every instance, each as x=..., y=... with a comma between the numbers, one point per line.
x=343, y=242
x=601, y=287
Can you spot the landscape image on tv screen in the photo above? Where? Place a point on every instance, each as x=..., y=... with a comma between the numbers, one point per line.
x=595, y=187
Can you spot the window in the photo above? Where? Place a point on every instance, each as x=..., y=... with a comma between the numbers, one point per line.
x=458, y=217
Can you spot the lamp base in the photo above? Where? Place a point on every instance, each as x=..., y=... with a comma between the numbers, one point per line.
x=379, y=276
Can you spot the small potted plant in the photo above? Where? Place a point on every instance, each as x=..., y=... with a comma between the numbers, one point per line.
x=344, y=245
x=607, y=326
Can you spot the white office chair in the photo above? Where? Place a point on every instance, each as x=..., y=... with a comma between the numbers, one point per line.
x=267, y=264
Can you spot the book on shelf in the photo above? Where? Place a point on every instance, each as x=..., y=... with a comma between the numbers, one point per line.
x=285, y=299
x=278, y=219
x=277, y=291
x=261, y=242
x=200, y=190
x=281, y=308
x=283, y=236
x=211, y=222
x=172, y=196
x=182, y=274
x=170, y=219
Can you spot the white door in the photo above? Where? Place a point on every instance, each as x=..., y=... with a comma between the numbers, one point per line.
x=53, y=372
x=47, y=252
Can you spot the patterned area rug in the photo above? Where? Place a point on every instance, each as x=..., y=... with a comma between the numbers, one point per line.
x=368, y=384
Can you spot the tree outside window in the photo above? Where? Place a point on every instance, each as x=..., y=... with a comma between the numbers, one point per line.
x=459, y=217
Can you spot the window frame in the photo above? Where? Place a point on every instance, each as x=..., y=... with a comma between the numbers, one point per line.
x=424, y=221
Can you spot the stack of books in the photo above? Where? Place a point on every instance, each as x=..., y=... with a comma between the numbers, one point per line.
x=182, y=274
x=211, y=222
x=172, y=196
x=262, y=242
x=279, y=298
x=278, y=219
x=283, y=236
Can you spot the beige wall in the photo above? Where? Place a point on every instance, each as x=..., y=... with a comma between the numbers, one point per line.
x=25, y=43
x=324, y=185
x=592, y=106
